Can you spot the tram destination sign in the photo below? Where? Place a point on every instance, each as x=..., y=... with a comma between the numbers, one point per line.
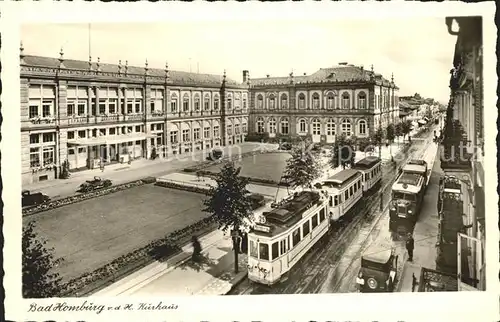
x=262, y=228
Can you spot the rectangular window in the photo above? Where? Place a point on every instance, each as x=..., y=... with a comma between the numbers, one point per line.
x=112, y=131
x=229, y=103
x=216, y=104
x=244, y=103
x=244, y=128
x=48, y=155
x=152, y=127
x=48, y=137
x=34, y=108
x=102, y=132
x=137, y=128
x=263, y=251
x=34, y=157
x=229, y=130
x=185, y=135
x=314, y=221
x=71, y=108
x=196, y=134
x=47, y=107
x=173, y=106
x=71, y=135
x=102, y=106
x=296, y=237
x=82, y=134
x=306, y=228
x=207, y=105
x=34, y=138
x=253, y=249
x=130, y=106
x=173, y=137
x=206, y=132
x=185, y=106
x=275, y=251
x=82, y=107
x=322, y=215
x=112, y=105
x=216, y=131
x=236, y=129
x=138, y=106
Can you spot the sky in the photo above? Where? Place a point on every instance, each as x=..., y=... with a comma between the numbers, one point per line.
x=419, y=51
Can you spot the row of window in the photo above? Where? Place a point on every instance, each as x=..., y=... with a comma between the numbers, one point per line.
x=90, y=133
x=186, y=135
x=41, y=156
x=345, y=102
x=346, y=126
x=372, y=174
x=261, y=250
x=336, y=200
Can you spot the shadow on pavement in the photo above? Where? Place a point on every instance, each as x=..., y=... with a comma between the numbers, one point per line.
x=201, y=264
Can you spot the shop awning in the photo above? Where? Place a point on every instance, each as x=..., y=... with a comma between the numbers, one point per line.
x=104, y=140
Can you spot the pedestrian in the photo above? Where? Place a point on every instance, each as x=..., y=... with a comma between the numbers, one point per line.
x=196, y=249
x=410, y=245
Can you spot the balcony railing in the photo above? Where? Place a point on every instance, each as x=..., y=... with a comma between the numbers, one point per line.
x=108, y=118
x=42, y=120
x=77, y=119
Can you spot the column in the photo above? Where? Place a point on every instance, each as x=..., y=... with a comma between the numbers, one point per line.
x=125, y=97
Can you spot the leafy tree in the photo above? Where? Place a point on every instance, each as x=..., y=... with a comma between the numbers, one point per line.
x=302, y=168
x=343, y=152
x=378, y=136
x=406, y=128
x=229, y=202
x=398, y=129
x=390, y=135
x=365, y=145
x=38, y=261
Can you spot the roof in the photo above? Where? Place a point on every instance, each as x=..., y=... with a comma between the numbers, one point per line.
x=380, y=257
x=342, y=177
x=175, y=77
x=414, y=168
x=367, y=163
x=290, y=212
x=342, y=73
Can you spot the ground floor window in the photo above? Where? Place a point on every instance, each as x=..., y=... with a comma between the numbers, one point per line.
x=206, y=132
x=284, y=126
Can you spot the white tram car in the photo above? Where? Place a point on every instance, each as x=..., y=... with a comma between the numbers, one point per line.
x=285, y=234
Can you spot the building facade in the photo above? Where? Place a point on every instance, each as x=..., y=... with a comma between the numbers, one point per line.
x=345, y=99
x=86, y=113
x=462, y=159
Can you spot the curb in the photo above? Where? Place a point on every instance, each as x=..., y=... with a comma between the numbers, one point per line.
x=237, y=281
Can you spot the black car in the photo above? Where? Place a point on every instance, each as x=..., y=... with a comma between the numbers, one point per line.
x=33, y=199
x=215, y=154
x=95, y=184
x=378, y=272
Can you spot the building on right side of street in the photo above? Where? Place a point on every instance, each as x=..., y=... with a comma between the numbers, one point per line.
x=461, y=202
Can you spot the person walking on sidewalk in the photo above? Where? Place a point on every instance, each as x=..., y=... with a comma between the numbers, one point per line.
x=196, y=249
x=410, y=245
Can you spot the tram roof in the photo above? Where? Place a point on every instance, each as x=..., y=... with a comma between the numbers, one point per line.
x=367, y=163
x=343, y=176
x=414, y=168
x=290, y=212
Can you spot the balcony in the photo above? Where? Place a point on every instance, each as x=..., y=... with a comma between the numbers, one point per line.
x=156, y=115
x=78, y=119
x=108, y=118
x=454, y=155
x=134, y=117
x=40, y=121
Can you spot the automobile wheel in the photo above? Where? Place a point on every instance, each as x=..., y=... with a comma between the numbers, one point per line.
x=372, y=283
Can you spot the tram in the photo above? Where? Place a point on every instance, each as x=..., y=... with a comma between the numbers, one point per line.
x=282, y=236
x=407, y=196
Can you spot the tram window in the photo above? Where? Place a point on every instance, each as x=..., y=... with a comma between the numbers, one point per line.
x=322, y=215
x=263, y=251
x=331, y=201
x=253, y=249
x=350, y=191
x=306, y=228
x=283, y=246
x=336, y=200
x=296, y=237
x=275, y=250
x=346, y=195
x=314, y=221
x=366, y=176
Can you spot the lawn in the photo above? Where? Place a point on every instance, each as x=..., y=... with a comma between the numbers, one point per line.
x=263, y=166
x=92, y=233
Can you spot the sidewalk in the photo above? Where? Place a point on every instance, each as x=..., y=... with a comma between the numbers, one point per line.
x=425, y=234
x=214, y=275
x=122, y=173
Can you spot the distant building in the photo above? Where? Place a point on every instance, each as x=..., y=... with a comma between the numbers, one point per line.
x=344, y=99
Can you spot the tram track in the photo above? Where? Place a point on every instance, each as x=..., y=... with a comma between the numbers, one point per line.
x=307, y=278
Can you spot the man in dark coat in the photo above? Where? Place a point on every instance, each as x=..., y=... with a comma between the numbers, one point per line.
x=410, y=245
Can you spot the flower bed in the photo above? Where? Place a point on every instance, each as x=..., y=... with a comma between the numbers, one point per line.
x=81, y=197
x=148, y=180
x=178, y=186
x=162, y=248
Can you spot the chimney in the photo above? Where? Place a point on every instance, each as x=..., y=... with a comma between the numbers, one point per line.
x=343, y=63
x=246, y=76
x=305, y=74
x=267, y=75
x=362, y=67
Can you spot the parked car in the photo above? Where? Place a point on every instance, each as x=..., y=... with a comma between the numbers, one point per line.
x=32, y=199
x=215, y=154
x=378, y=271
x=95, y=184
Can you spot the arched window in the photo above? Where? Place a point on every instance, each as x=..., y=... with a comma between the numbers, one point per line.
x=272, y=125
x=216, y=102
x=206, y=102
x=330, y=127
x=346, y=127
x=284, y=101
x=316, y=127
x=229, y=102
x=362, y=127
x=272, y=102
x=302, y=101
x=260, y=125
x=185, y=103
x=196, y=102
x=316, y=101
x=284, y=126
x=330, y=101
x=173, y=103
x=346, y=101
x=302, y=126
x=362, y=100
x=260, y=102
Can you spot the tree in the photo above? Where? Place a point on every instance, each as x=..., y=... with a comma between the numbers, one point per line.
x=229, y=202
x=302, y=168
x=398, y=130
x=390, y=135
x=406, y=128
x=343, y=152
x=38, y=261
